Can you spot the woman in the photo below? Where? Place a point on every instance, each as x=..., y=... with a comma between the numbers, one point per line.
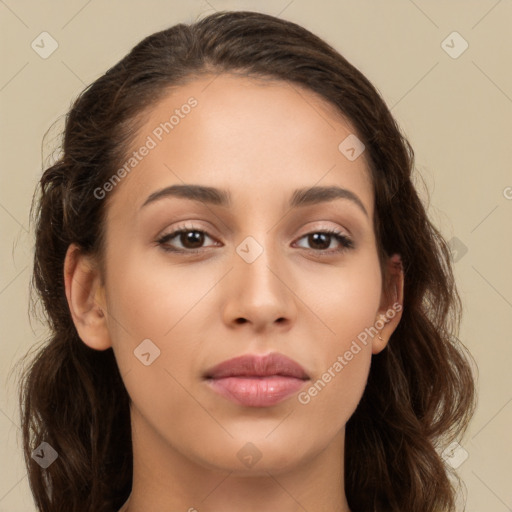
x=249, y=307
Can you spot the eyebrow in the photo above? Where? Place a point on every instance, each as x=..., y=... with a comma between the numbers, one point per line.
x=220, y=197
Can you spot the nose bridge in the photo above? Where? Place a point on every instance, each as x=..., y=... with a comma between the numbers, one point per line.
x=257, y=265
x=261, y=294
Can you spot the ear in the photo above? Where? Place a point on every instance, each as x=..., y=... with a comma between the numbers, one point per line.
x=86, y=299
x=391, y=304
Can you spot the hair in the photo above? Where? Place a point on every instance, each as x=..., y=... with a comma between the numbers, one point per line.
x=420, y=393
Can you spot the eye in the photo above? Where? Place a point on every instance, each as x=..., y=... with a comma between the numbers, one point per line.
x=192, y=240
x=322, y=240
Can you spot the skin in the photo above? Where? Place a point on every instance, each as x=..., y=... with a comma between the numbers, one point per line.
x=260, y=141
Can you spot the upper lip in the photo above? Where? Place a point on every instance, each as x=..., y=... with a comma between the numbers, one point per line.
x=250, y=365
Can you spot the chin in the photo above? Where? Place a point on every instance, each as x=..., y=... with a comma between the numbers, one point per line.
x=257, y=457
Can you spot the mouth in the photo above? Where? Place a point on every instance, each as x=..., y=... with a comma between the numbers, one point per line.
x=255, y=380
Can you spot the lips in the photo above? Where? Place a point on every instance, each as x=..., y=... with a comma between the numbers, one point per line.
x=257, y=381
x=257, y=366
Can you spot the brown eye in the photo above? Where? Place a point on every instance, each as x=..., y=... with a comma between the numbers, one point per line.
x=191, y=240
x=319, y=241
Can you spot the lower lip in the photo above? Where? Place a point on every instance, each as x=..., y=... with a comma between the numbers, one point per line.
x=256, y=391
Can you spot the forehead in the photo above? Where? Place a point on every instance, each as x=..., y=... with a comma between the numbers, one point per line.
x=257, y=138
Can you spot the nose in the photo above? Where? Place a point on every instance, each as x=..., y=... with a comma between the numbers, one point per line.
x=260, y=294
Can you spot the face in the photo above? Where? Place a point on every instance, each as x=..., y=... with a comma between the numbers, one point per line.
x=258, y=269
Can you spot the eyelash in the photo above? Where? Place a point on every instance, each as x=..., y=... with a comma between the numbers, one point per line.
x=345, y=241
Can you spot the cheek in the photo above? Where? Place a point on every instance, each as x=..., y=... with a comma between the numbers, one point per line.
x=336, y=389
x=169, y=305
x=347, y=305
x=347, y=300
x=333, y=395
x=159, y=304
x=148, y=298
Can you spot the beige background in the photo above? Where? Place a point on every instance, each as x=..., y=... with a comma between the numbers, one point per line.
x=457, y=113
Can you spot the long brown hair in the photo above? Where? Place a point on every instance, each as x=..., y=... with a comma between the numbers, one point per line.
x=420, y=393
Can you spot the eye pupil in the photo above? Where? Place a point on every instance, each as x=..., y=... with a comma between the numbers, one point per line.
x=315, y=236
x=193, y=237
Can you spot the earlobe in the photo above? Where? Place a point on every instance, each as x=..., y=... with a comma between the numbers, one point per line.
x=391, y=307
x=85, y=296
